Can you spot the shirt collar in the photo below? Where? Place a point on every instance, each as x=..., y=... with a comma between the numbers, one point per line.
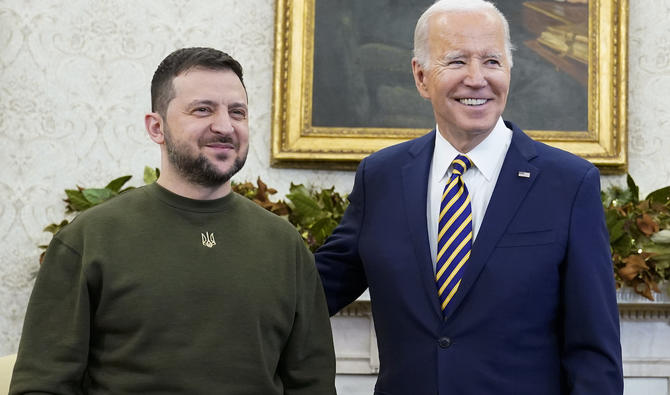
x=485, y=155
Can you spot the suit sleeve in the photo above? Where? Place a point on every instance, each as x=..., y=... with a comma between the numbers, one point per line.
x=307, y=362
x=338, y=259
x=53, y=350
x=591, y=356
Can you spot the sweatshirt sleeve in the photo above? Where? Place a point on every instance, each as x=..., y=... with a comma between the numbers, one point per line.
x=307, y=363
x=53, y=350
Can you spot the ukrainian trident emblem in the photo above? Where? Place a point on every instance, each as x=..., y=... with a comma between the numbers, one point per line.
x=208, y=239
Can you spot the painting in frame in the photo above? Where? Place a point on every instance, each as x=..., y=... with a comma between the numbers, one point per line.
x=343, y=86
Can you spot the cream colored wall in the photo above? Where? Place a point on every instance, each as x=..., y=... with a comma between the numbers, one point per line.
x=648, y=95
x=74, y=83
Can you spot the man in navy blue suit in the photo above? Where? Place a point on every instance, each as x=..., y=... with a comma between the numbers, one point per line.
x=491, y=273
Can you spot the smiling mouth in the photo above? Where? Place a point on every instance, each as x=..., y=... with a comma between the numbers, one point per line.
x=223, y=142
x=221, y=145
x=472, y=102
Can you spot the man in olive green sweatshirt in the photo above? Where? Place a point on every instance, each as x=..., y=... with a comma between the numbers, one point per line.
x=180, y=287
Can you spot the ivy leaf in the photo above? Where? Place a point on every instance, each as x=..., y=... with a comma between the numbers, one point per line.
x=299, y=188
x=617, y=230
x=634, y=190
x=54, y=228
x=151, y=174
x=247, y=189
x=97, y=195
x=616, y=197
x=326, y=199
x=76, y=200
x=624, y=246
x=117, y=183
x=322, y=228
x=660, y=196
x=302, y=204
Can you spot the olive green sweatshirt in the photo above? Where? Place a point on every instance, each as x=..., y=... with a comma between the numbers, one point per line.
x=154, y=293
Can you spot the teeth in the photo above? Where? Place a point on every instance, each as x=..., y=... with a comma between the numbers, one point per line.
x=472, y=102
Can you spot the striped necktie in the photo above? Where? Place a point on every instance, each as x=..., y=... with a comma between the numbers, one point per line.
x=454, y=238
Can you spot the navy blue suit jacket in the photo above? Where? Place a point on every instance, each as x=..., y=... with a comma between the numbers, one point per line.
x=536, y=310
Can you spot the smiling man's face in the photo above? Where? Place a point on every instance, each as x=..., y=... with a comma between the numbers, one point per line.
x=207, y=127
x=468, y=77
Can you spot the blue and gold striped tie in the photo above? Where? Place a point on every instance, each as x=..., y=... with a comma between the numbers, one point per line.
x=454, y=238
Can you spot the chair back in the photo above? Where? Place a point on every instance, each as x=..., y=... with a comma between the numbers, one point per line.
x=6, y=368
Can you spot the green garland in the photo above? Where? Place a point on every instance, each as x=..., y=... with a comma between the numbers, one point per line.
x=314, y=213
x=639, y=229
x=639, y=236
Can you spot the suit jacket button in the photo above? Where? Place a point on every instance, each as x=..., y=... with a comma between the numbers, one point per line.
x=444, y=342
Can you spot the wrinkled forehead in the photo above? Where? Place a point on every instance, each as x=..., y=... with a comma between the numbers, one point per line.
x=216, y=85
x=480, y=31
x=453, y=22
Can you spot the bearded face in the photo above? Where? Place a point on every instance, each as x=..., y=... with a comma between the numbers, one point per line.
x=197, y=168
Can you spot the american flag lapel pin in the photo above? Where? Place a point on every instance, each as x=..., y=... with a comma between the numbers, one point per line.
x=524, y=174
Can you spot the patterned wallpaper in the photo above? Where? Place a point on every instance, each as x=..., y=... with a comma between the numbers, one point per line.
x=648, y=95
x=74, y=87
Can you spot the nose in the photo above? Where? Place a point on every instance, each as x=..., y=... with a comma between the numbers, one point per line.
x=475, y=76
x=221, y=123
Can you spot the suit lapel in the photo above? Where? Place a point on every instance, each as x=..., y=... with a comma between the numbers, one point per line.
x=415, y=195
x=508, y=194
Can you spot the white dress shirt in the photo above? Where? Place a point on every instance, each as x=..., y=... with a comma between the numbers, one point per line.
x=487, y=159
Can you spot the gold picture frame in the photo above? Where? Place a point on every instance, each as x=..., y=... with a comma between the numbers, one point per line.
x=297, y=142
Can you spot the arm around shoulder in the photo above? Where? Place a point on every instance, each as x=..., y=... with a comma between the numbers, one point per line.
x=338, y=260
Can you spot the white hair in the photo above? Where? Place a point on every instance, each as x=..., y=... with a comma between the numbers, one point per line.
x=421, y=50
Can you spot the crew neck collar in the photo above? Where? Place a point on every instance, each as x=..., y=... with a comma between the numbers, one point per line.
x=184, y=203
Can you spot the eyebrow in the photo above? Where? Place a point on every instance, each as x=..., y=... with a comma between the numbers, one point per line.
x=205, y=102
x=212, y=103
x=459, y=54
x=238, y=105
x=495, y=55
x=452, y=55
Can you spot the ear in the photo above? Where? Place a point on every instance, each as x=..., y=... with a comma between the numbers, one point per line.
x=154, y=125
x=420, y=78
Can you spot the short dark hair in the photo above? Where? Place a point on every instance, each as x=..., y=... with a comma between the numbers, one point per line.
x=181, y=60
